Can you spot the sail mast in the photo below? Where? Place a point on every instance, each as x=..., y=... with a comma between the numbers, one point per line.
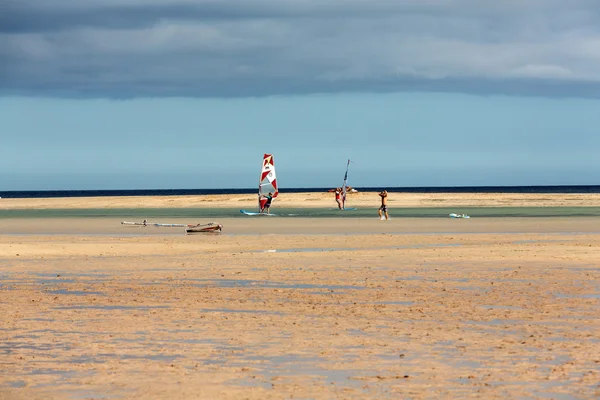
x=345, y=185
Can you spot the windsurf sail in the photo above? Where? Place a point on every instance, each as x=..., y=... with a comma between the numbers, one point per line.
x=268, y=181
x=345, y=185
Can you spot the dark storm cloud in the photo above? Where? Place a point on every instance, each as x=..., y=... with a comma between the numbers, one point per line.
x=156, y=48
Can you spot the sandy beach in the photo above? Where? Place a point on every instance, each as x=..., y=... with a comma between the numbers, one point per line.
x=317, y=308
x=315, y=199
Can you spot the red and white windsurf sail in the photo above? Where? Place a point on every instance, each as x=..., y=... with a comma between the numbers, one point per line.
x=268, y=178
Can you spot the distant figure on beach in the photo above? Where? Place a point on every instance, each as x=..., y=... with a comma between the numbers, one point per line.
x=145, y=222
x=383, y=208
x=338, y=198
x=266, y=203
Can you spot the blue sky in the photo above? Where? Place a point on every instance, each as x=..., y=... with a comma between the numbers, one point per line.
x=189, y=94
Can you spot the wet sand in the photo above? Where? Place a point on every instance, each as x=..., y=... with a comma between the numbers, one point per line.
x=304, y=308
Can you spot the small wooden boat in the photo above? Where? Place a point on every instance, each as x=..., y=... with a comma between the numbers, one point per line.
x=211, y=227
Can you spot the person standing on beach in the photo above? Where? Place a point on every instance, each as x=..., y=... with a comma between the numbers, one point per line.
x=383, y=209
x=338, y=198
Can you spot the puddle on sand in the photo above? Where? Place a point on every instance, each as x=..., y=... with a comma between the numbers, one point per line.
x=324, y=249
x=553, y=395
x=363, y=303
x=85, y=360
x=357, y=332
x=226, y=283
x=44, y=278
x=548, y=389
x=396, y=303
x=89, y=394
x=577, y=296
x=500, y=307
x=48, y=371
x=424, y=278
x=539, y=241
x=150, y=357
x=63, y=275
x=327, y=293
x=266, y=368
x=471, y=288
x=229, y=310
x=567, y=339
x=10, y=347
x=29, y=336
x=74, y=292
x=39, y=319
x=284, y=369
x=107, y=308
x=497, y=322
x=25, y=280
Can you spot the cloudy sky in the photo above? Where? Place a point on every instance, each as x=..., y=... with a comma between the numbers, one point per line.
x=190, y=93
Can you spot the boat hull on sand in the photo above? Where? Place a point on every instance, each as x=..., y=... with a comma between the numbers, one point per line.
x=211, y=227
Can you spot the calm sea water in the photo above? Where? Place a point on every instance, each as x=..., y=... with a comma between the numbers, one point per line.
x=187, y=192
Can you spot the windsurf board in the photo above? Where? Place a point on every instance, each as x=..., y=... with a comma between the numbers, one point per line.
x=255, y=213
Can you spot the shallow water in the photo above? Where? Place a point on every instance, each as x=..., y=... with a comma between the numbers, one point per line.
x=106, y=307
x=75, y=292
x=270, y=284
x=322, y=249
x=156, y=214
x=578, y=296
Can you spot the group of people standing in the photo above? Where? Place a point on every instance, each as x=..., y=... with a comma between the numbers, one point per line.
x=340, y=198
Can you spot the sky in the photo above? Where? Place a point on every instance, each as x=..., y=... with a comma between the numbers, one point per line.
x=158, y=94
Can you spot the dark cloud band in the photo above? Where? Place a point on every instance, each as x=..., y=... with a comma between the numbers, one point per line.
x=155, y=48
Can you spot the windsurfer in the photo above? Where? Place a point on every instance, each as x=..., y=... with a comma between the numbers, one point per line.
x=338, y=198
x=383, y=208
x=266, y=203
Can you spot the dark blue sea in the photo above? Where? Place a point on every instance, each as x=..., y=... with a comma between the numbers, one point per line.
x=186, y=192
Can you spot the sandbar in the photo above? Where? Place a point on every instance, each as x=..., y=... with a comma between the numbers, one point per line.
x=315, y=199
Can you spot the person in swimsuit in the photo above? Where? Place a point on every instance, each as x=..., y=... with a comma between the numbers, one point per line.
x=338, y=198
x=383, y=209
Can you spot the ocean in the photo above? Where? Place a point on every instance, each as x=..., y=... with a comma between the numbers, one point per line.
x=187, y=192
